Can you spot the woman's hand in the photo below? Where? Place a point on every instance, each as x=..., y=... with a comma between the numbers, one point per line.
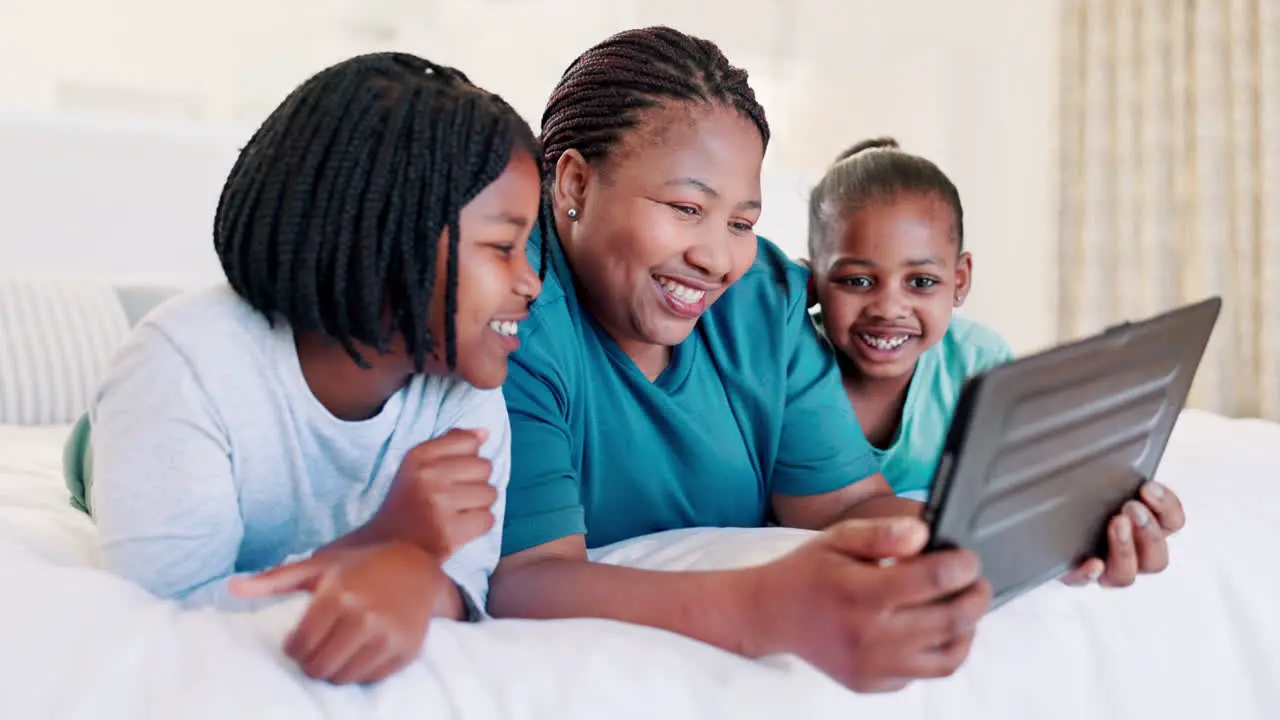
x=1136, y=540
x=369, y=609
x=861, y=603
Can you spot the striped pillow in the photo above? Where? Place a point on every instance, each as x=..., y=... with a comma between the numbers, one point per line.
x=56, y=338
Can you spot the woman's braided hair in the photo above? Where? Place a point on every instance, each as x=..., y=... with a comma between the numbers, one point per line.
x=602, y=93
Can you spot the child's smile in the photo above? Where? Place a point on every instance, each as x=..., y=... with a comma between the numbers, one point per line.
x=889, y=284
x=884, y=345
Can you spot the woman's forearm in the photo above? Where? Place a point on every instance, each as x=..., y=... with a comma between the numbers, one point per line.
x=884, y=506
x=719, y=608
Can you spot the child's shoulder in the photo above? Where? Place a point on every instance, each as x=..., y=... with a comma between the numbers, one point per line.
x=217, y=340
x=208, y=317
x=974, y=346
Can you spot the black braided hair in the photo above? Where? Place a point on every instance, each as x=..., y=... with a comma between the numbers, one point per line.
x=334, y=209
x=875, y=170
x=602, y=92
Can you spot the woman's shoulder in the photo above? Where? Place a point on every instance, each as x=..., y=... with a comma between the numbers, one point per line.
x=774, y=284
x=760, y=321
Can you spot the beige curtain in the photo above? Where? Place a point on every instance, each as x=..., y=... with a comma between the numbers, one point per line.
x=1170, y=179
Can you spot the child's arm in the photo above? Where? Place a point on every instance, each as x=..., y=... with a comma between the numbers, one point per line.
x=471, y=565
x=164, y=499
x=449, y=496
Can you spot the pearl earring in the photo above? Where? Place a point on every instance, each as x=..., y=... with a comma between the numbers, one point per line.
x=573, y=213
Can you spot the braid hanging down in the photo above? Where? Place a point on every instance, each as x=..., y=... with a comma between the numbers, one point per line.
x=334, y=209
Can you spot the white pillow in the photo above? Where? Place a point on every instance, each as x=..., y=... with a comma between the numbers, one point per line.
x=703, y=548
x=56, y=337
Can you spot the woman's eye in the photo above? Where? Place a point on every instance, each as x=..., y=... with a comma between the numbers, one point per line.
x=742, y=227
x=685, y=209
x=505, y=249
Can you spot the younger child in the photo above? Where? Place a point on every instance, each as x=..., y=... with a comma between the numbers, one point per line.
x=886, y=242
x=886, y=247
x=330, y=419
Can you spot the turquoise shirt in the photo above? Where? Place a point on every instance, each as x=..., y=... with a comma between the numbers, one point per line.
x=750, y=405
x=965, y=350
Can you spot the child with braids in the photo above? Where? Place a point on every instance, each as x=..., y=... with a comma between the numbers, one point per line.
x=886, y=243
x=330, y=419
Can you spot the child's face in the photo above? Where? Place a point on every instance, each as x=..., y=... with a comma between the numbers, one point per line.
x=496, y=283
x=887, y=279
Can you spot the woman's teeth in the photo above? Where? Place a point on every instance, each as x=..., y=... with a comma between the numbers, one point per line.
x=881, y=342
x=683, y=293
x=504, y=327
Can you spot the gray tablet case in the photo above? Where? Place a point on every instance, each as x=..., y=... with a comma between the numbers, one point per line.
x=1044, y=450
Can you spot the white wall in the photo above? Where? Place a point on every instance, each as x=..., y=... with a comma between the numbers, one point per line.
x=971, y=84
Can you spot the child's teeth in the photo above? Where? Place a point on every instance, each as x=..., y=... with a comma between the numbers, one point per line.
x=684, y=293
x=504, y=327
x=885, y=343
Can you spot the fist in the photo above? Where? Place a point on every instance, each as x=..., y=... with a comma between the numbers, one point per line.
x=441, y=498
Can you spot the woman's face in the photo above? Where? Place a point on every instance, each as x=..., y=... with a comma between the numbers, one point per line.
x=664, y=223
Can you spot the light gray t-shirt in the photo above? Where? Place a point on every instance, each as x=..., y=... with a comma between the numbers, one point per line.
x=211, y=457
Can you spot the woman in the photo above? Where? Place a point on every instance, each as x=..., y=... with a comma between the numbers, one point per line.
x=669, y=377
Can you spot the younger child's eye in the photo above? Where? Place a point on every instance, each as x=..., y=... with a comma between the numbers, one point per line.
x=923, y=283
x=856, y=281
x=504, y=249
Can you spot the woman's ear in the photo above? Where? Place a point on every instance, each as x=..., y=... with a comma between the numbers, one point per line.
x=964, y=277
x=569, y=188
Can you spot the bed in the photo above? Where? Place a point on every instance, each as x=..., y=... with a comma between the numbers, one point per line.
x=1202, y=639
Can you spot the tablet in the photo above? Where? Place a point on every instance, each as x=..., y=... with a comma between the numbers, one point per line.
x=1044, y=450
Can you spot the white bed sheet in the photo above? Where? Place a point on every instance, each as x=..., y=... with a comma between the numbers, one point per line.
x=1202, y=639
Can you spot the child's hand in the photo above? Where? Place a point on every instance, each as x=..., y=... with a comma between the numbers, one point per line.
x=369, y=609
x=1136, y=540
x=441, y=498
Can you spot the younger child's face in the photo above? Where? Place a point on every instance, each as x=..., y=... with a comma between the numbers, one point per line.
x=496, y=283
x=887, y=279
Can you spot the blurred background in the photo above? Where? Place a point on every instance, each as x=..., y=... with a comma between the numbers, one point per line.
x=1116, y=157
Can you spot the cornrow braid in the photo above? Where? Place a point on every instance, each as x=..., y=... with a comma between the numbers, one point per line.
x=333, y=211
x=601, y=94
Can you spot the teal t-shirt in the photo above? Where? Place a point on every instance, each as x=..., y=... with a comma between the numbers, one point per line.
x=750, y=405
x=965, y=350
